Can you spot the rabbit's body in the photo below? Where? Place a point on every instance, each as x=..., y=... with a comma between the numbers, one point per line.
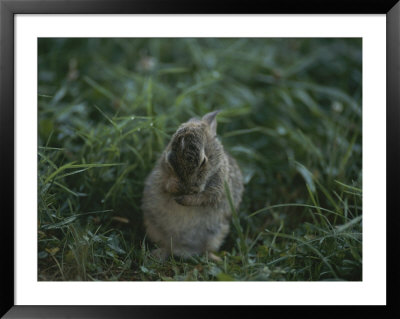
x=186, y=210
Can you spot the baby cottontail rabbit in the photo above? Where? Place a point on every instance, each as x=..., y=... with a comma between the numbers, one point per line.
x=186, y=210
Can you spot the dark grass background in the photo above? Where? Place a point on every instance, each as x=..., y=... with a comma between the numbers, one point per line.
x=291, y=116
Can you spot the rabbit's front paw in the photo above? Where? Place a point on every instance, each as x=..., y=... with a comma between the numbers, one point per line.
x=159, y=254
x=186, y=200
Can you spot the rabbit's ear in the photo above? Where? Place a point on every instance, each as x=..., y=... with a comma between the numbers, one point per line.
x=210, y=119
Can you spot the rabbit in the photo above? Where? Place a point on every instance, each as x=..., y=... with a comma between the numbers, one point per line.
x=185, y=207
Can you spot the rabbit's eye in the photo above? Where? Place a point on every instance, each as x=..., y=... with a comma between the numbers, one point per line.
x=170, y=158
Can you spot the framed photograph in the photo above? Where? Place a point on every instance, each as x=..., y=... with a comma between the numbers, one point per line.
x=162, y=154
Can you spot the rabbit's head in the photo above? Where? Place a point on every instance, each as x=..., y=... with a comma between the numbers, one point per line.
x=193, y=155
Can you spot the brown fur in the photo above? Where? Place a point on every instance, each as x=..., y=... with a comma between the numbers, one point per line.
x=185, y=208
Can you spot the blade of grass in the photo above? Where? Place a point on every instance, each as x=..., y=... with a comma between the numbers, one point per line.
x=237, y=226
x=289, y=205
x=108, y=118
x=316, y=251
x=73, y=165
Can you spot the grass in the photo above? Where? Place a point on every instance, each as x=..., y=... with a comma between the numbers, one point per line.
x=291, y=116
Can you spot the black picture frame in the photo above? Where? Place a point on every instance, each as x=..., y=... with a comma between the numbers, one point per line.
x=8, y=10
